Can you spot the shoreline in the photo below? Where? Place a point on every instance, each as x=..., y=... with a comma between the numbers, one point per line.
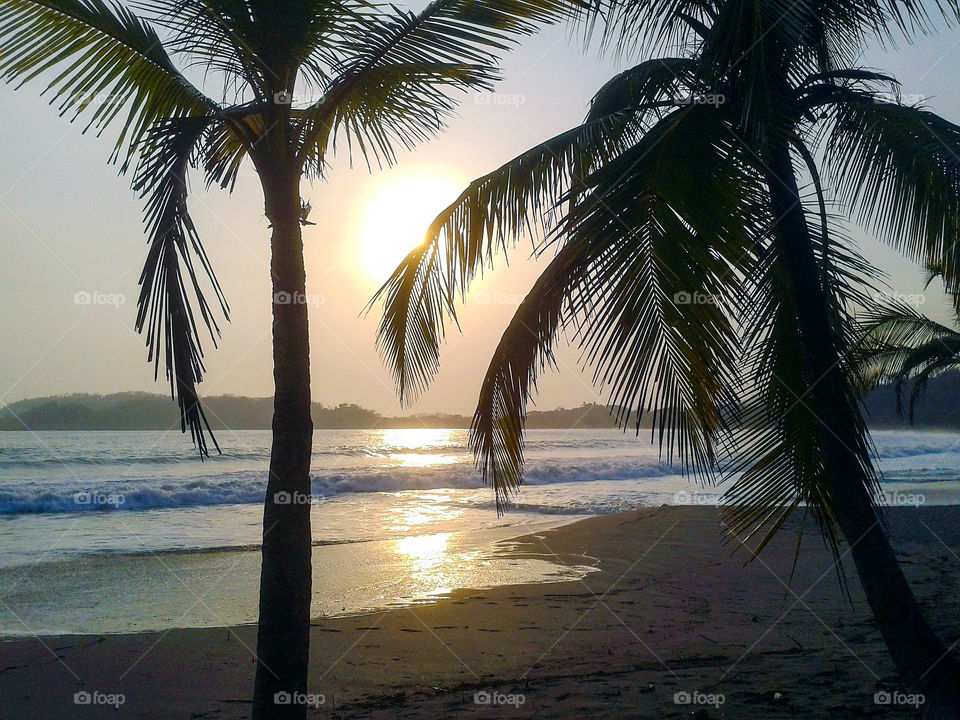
x=670, y=612
x=147, y=591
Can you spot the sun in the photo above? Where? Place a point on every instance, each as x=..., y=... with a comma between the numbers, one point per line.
x=396, y=219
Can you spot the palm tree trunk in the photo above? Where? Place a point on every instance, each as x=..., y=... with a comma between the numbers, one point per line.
x=283, y=633
x=922, y=659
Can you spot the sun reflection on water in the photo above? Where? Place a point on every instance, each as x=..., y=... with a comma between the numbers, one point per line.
x=435, y=560
x=424, y=551
x=435, y=564
x=420, y=447
x=432, y=507
x=422, y=459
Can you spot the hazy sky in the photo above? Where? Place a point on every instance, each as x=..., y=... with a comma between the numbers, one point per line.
x=70, y=225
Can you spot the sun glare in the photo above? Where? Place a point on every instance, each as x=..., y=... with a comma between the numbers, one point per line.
x=425, y=552
x=396, y=219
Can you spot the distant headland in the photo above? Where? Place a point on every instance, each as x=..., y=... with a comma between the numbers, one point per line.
x=147, y=411
x=939, y=407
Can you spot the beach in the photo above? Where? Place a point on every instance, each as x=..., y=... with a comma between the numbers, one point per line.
x=672, y=622
x=300, y=420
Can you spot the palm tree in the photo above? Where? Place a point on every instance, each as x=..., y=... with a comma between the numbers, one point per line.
x=381, y=77
x=903, y=347
x=696, y=263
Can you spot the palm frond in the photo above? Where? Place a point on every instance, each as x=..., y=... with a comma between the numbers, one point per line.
x=811, y=28
x=526, y=348
x=212, y=34
x=653, y=26
x=647, y=270
x=901, y=346
x=898, y=168
x=171, y=296
x=777, y=449
x=488, y=217
x=105, y=59
x=241, y=40
x=669, y=79
x=223, y=152
x=463, y=36
x=681, y=208
x=397, y=105
x=781, y=441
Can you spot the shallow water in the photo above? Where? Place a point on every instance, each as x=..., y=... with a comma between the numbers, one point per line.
x=111, y=531
x=151, y=591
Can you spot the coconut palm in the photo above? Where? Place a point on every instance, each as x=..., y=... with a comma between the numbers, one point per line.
x=903, y=347
x=379, y=77
x=699, y=264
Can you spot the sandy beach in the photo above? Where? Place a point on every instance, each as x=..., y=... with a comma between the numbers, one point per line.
x=671, y=623
x=271, y=365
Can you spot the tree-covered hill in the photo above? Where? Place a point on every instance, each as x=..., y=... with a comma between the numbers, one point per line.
x=938, y=407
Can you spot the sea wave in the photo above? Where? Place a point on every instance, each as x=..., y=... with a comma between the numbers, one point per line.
x=120, y=494
x=906, y=451
x=130, y=449
x=12, y=460
x=117, y=472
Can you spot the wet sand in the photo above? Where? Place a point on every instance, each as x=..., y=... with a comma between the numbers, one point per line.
x=672, y=615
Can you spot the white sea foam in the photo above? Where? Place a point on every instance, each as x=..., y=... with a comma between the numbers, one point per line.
x=86, y=478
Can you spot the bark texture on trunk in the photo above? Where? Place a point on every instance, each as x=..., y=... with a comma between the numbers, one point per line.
x=922, y=659
x=283, y=633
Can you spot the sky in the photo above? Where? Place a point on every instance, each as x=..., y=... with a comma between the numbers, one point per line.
x=71, y=232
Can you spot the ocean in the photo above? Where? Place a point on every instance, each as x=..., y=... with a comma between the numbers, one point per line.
x=121, y=531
